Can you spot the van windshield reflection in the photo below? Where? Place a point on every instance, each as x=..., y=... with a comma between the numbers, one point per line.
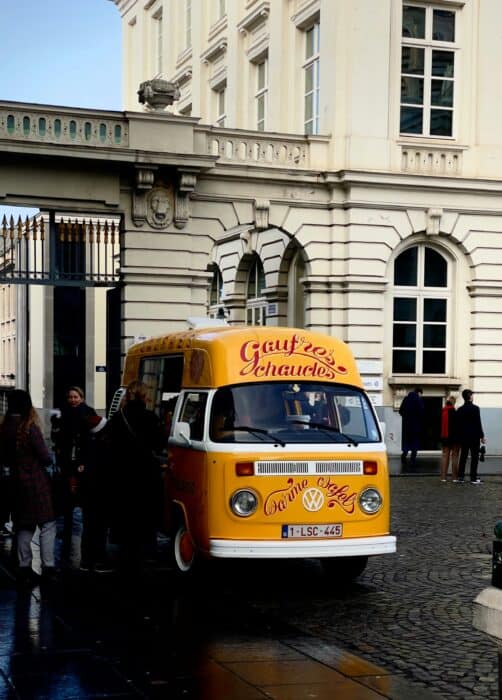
x=312, y=412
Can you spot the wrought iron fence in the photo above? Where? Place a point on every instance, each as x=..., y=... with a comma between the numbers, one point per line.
x=59, y=250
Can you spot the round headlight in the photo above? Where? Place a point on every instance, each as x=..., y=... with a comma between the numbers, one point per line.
x=244, y=503
x=370, y=500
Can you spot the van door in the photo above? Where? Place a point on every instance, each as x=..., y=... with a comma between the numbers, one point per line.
x=187, y=482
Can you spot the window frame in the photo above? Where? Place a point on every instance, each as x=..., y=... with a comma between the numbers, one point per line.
x=428, y=44
x=256, y=303
x=261, y=95
x=221, y=101
x=312, y=62
x=420, y=293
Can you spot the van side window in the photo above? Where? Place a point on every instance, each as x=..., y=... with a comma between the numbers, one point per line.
x=162, y=376
x=193, y=412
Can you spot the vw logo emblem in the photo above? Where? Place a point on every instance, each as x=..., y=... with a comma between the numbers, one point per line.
x=313, y=499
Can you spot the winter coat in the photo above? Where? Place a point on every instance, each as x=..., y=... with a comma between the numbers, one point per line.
x=449, y=429
x=31, y=488
x=71, y=436
x=412, y=410
x=469, y=424
x=137, y=485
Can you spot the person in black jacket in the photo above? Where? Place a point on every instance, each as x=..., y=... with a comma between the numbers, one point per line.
x=70, y=433
x=135, y=440
x=412, y=412
x=471, y=435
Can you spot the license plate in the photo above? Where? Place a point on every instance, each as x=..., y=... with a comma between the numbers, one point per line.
x=312, y=531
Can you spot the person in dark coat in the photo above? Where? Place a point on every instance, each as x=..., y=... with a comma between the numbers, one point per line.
x=95, y=497
x=135, y=440
x=24, y=451
x=471, y=436
x=450, y=440
x=412, y=412
x=71, y=435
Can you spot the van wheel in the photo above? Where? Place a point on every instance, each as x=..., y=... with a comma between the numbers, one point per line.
x=344, y=568
x=183, y=550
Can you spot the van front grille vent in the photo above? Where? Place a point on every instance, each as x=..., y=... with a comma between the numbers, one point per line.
x=309, y=467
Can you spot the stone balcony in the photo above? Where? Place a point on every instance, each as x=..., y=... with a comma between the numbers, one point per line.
x=122, y=135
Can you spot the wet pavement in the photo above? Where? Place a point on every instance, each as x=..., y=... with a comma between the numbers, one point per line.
x=274, y=630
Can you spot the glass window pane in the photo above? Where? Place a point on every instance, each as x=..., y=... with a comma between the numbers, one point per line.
x=405, y=268
x=261, y=107
x=441, y=93
x=261, y=76
x=435, y=269
x=411, y=120
x=309, y=42
x=405, y=309
x=434, y=362
x=434, y=336
x=412, y=90
x=414, y=22
x=442, y=63
x=261, y=280
x=403, y=361
x=441, y=122
x=309, y=111
x=412, y=60
x=404, y=335
x=435, y=310
x=309, y=78
x=443, y=25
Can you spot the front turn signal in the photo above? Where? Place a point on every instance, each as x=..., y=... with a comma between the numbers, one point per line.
x=370, y=468
x=244, y=468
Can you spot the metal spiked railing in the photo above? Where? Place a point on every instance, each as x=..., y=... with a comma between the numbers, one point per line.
x=60, y=249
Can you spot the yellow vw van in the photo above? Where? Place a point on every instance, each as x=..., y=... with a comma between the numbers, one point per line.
x=274, y=449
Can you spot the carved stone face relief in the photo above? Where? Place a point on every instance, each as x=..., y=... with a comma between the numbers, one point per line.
x=159, y=207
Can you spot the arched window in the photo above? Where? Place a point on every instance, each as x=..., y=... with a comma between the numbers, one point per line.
x=296, y=303
x=421, y=300
x=216, y=293
x=256, y=304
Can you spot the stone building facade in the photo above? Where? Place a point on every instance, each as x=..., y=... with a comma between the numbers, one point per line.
x=329, y=164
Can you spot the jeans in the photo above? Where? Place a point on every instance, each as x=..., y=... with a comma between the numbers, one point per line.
x=47, y=545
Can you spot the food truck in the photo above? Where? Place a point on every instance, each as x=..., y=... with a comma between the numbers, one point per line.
x=274, y=449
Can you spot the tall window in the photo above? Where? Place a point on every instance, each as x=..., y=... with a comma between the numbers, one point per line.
x=427, y=71
x=312, y=82
x=256, y=304
x=188, y=23
x=420, y=312
x=221, y=113
x=261, y=94
x=296, y=296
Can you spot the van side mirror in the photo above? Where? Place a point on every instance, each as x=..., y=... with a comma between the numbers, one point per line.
x=182, y=432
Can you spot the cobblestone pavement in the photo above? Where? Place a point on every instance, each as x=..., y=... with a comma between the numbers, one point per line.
x=411, y=612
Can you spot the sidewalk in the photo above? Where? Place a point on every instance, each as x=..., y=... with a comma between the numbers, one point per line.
x=428, y=464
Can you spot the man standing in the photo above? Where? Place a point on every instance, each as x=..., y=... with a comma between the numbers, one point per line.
x=471, y=435
x=412, y=412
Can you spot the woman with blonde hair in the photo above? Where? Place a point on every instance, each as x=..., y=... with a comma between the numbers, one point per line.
x=450, y=440
x=25, y=453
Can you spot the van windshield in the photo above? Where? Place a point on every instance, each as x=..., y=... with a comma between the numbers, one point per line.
x=292, y=412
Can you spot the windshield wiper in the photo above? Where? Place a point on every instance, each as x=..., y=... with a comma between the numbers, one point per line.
x=329, y=428
x=260, y=431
